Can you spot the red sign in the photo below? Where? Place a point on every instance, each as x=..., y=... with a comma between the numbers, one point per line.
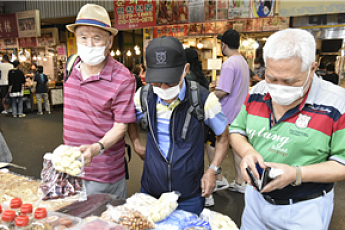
x=135, y=14
x=8, y=26
x=27, y=42
x=159, y=31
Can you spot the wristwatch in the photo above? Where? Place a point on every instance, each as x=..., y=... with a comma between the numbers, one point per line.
x=101, y=151
x=217, y=170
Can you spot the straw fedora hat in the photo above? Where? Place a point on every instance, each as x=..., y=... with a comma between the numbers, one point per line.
x=93, y=15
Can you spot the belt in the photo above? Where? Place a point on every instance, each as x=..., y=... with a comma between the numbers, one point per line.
x=295, y=200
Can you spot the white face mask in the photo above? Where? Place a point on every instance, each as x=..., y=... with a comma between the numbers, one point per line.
x=286, y=95
x=169, y=93
x=256, y=66
x=91, y=55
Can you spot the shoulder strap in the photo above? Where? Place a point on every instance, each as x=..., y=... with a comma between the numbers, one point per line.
x=144, y=94
x=69, y=65
x=196, y=108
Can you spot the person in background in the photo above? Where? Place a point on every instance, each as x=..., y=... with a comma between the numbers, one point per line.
x=98, y=103
x=232, y=89
x=33, y=71
x=174, y=152
x=321, y=71
x=40, y=87
x=136, y=72
x=259, y=71
x=143, y=74
x=195, y=74
x=16, y=83
x=291, y=123
x=330, y=75
x=5, y=67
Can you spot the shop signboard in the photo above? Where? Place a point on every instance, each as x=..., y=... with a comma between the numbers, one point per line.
x=222, y=26
x=8, y=26
x=182, y=31
x=8, y=43
x=210, y=10
x=159, y=31
x=164, y=11
x=27, y=42
x=299, y=8
x=222, y=10
x=238, y=9
x=196, y=11
x=275, y=23
x=168, y=31
x=29, y=23
x=209, y=28
x=180, y=12
x=194, y=29
x=49, y=37
x=253, y=25
x=134, y=14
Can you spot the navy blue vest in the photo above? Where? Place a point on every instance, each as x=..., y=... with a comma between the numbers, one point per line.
x=183, y=168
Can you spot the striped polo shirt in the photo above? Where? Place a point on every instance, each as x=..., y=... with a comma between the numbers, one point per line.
x=311, y=133
x=91, y=107
x=213, y=116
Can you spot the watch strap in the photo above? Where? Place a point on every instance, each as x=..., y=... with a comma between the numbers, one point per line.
x=102, y=148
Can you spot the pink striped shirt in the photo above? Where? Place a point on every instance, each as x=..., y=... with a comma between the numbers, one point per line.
x=90, y=109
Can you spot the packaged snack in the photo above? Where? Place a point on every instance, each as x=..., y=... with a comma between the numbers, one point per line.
x=164, y=206
x=217, y=220
x=57, y=184
x=130, y=218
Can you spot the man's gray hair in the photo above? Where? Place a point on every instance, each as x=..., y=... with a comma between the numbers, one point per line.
x=291, y=43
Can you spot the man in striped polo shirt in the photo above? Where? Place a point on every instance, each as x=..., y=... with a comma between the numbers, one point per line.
x=293, y=121
x=98, y=103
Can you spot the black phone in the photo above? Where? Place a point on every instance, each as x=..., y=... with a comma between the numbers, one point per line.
x=255, y=182
x=265, y=178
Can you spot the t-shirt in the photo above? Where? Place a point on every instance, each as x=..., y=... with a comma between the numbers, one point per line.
x=311, y=133
x=16, y=80
x=234, y=80
x=4, y=69
x=41, y=80
x=331, y=77
x=91, y=107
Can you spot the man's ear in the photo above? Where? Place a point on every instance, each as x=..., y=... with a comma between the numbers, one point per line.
x=186, y=69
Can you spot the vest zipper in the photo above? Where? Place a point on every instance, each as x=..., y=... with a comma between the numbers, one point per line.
x=153, y=135
x=172, y=151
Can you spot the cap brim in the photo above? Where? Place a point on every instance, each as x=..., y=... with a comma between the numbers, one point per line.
x=219, y=37
x=166, y=75
x=112, y=30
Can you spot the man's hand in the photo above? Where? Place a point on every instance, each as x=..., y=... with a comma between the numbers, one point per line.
x=288, y=177
x=251, y=157
x=208, y=183
x=89, y=152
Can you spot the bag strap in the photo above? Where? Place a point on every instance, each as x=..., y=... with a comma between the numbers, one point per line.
x=69, y=65
x=144, y=94
x=196, y=108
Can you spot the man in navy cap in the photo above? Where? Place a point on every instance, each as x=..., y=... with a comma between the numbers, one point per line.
x=174, y=152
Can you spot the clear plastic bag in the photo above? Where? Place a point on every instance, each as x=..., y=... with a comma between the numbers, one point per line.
x=98, y=225
x=68, y=159
x=164, y=206
x=56, y=185
x=217, y=220
x=130, y=218
x=141, y=202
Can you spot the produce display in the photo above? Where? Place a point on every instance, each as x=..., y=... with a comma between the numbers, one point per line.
x=99, y=225
x=162, y=208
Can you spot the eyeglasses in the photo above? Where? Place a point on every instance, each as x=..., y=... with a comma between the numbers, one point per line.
x=158, y=84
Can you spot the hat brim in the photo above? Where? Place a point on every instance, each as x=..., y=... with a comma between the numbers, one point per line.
x=112, y=30
x=166, y=75
x=219, y=37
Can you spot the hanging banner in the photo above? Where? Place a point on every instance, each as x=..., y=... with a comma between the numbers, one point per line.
x=261, y=9
x=8, y=26
x=196, y=11
x=71, y=43
x=222, y=10
x=210, y=10
x=239, y=9
x=180, y=12
x=299, y=8
x=130, y=15
x=27, y=42
x=209, y=28
x=29, y=23
x=164, y=11
x=8, y=43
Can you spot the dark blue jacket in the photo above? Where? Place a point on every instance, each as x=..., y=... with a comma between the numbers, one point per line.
x=183, y=168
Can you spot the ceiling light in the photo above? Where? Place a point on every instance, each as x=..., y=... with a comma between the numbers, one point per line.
x=136, y=47
x=129, y=53
x=245, y=43
x=137, y=52
x=112, y=53
x=200, y=45
x=118, y=53
x=256, y=45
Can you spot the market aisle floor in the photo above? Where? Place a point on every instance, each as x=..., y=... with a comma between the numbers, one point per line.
x=31, y=137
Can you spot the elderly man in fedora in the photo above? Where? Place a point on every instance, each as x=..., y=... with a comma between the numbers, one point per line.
x=293, y=122
x=98, y=103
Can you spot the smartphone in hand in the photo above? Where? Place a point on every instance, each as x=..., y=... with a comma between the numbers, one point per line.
x=259, y=184
x=255, y=182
